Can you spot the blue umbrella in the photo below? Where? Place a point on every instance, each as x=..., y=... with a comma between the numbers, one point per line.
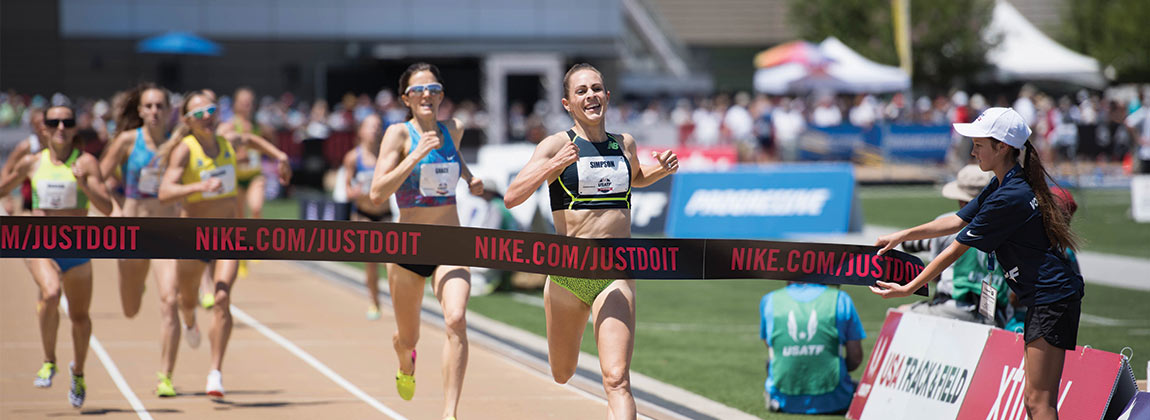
x=178, y=43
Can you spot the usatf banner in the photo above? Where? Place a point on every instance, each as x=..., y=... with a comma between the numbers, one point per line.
x=209, y=239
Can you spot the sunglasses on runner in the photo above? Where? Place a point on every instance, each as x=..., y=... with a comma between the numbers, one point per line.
x=53, y=123
x=201, y=113
x=432, y=88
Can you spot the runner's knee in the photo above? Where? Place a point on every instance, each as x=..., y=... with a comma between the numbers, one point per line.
x=50, y=295
x=616, y=379
x=455, y=321
x=562, y=374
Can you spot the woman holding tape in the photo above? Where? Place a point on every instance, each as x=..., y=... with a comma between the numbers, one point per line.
x=201, y=173
x=64, y=180
x=1018, y=220
x=418, y=161
x=590, y=173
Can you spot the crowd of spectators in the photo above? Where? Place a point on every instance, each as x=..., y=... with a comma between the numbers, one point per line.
x=1098, y=127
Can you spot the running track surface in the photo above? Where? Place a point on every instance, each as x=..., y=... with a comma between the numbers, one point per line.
x=303, y=350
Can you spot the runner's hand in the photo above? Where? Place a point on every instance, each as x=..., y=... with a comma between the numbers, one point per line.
x=354, y=193
x=567, y=155
x=890, y=290
x=476, y=186
x=79, y=172
x=668, y=160
x=211, y=185
x=81, y=175
x=428, y=141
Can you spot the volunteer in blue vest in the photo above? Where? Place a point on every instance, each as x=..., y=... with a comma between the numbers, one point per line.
x=200, y=174
x=960, y=286
x=1018, y=220
x=805, y=326
x=590, y=173
x=359, y=165
x=419, y=162
x=65, y=181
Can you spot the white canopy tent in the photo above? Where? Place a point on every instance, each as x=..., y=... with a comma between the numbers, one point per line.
x=848, y=72
x=1026, y=54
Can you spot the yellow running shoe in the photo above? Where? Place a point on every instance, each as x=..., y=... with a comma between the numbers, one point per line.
x=404, y=383
x=44, y=375
x=242, y=272
x=165, y=388
x=372, y=313
x=208, y=301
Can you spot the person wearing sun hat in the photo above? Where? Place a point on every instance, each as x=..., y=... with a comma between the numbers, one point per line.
x=1020, y=221
x=960, y=286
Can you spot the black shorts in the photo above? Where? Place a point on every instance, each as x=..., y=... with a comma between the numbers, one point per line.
x=373, y=217
x=428, y=270
x=1057, y=322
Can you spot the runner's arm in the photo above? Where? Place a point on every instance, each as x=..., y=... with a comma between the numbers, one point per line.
x=263, y=145
x=349, y=175
x=16, y=174
x=542, y=166
x=392, y=165
x=666, y=163
x=14, y=157
x=114, y=154
x=92, y=183
x=171, y=188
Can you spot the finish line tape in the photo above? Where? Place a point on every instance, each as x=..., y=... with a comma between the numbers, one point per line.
x=405, y=243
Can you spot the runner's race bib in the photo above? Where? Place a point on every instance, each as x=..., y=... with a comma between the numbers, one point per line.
x=149, y=182
x=253, y=158
x=56, y=195
x=603, y=175
x=226, y=175
x=438, y=179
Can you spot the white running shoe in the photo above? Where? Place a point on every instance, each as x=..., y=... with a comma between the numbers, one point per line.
x=215, y=386
x=79, y=389
x=192, y=335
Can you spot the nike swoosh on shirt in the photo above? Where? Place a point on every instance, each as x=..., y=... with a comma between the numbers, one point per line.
x=972, y=236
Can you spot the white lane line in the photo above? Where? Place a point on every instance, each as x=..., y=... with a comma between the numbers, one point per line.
x=112, y=370
x=315, y=363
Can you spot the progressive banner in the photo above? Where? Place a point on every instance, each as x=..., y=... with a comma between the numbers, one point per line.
x=209, y=239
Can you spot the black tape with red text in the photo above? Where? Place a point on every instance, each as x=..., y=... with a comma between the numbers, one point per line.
x=207, y=239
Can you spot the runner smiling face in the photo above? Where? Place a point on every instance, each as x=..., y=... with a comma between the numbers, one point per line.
x=586, y=98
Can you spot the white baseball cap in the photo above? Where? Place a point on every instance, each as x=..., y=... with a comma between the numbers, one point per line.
x=1002, y=124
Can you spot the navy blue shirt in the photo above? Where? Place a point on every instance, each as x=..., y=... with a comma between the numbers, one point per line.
x=1004, y=219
